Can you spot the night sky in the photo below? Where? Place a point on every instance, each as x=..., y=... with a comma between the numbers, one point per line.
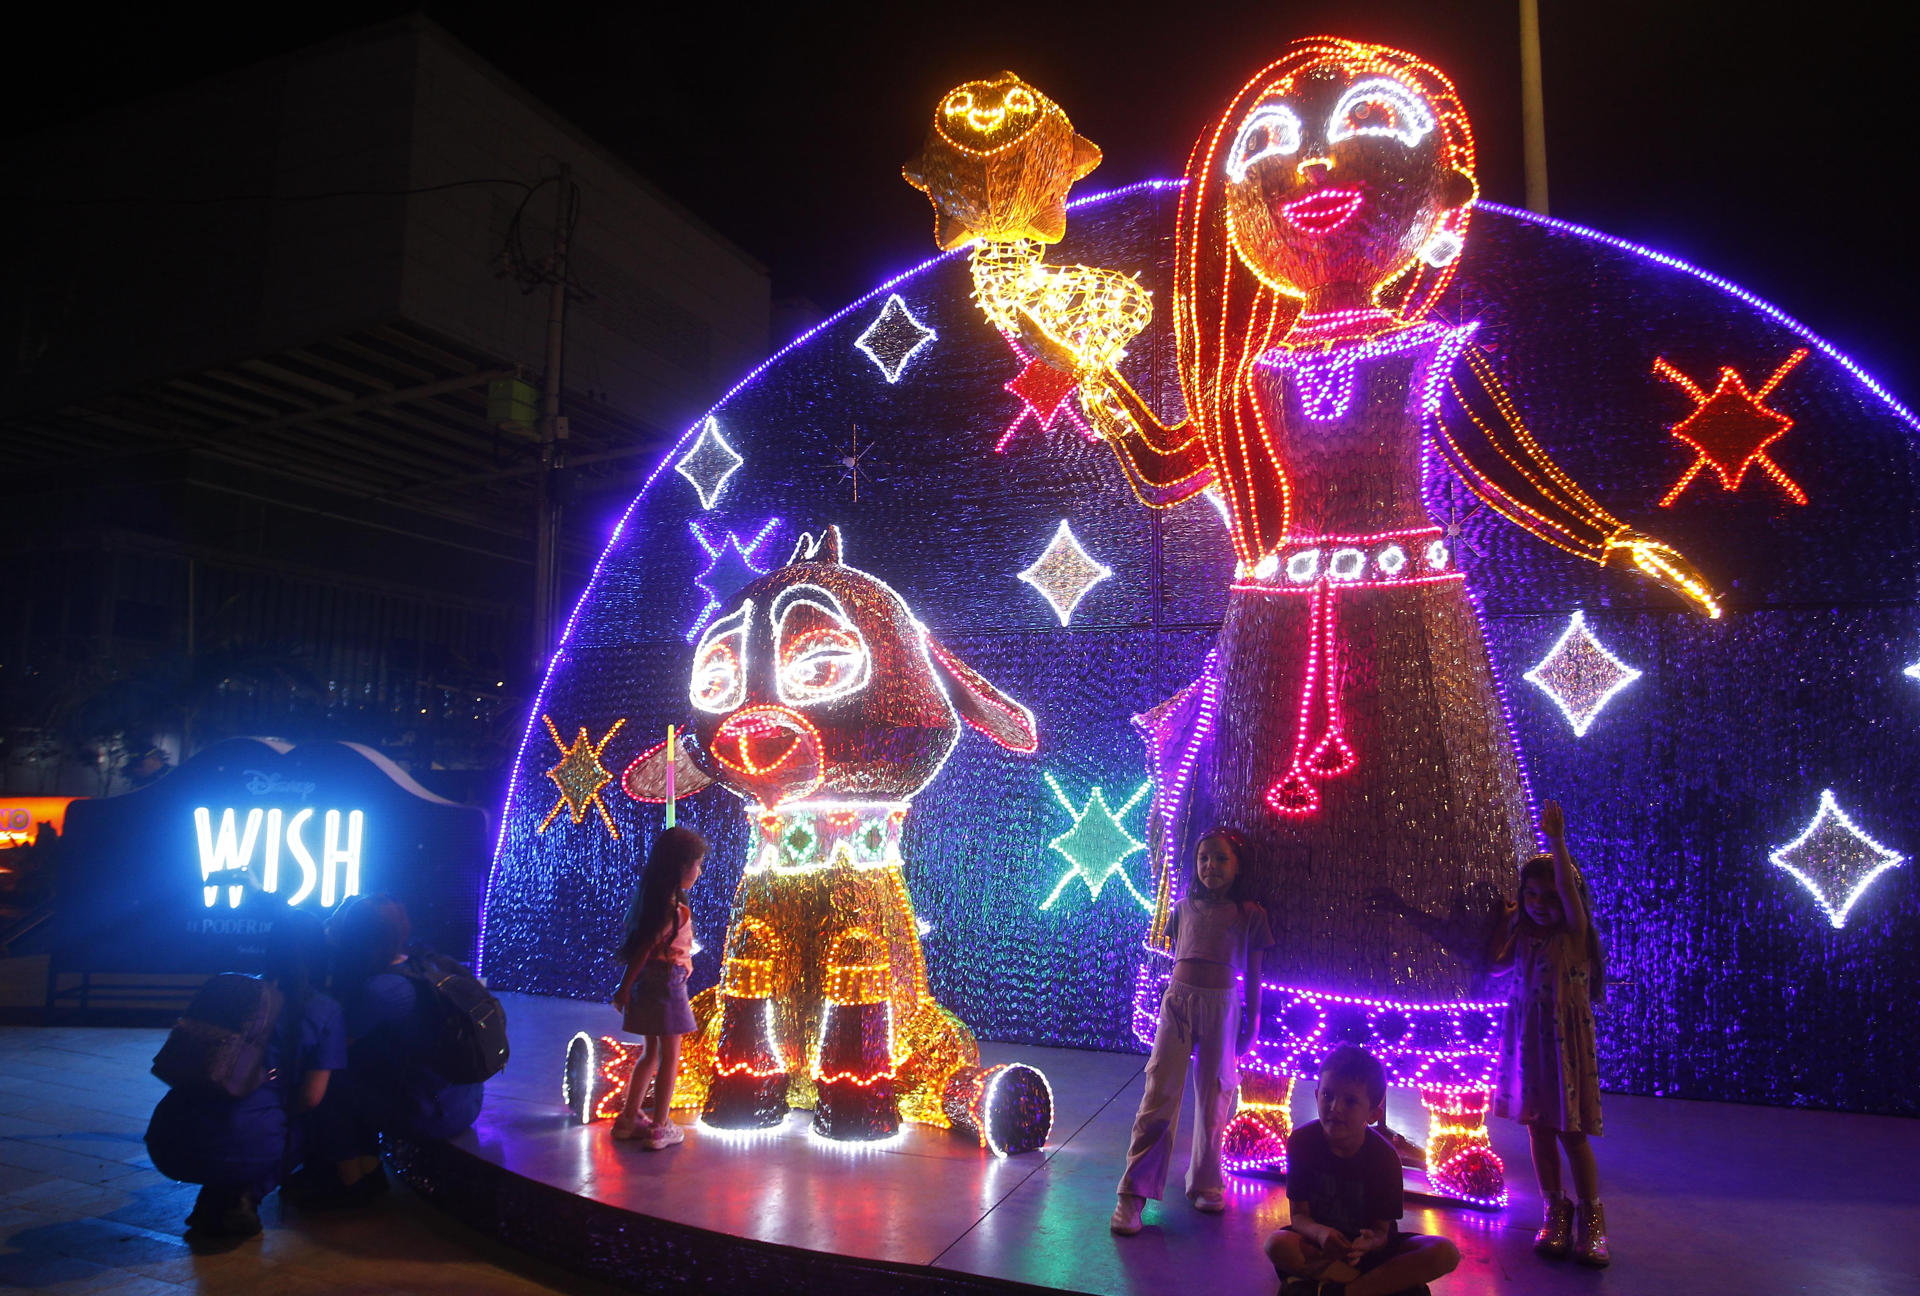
x=1765, y=142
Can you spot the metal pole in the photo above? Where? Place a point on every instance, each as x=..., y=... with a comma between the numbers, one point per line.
x=1533, y=111
x=546, y=511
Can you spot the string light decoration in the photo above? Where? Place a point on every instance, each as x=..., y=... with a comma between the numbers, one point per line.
x=593, y=1084
x=1098, y=845
x=894, y=338
x=580, y=776
x=1580, y=675
x=1496, y=456
x=1521, y=271
x=852, y=464
x=1731, y=428
x=731, y=565
x=1043, y=392
x=1065, y=572
x=1834, y=860
x=1448, y=1052
x=710, y=464
x=1327, y=380
x=1000, y=1105
x=823, y=1001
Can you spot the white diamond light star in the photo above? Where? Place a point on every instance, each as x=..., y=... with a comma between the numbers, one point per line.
x=710, y=464
x=1064, y=572
x=1580, y=675
x=1834, y=860
x=894, y=338
x=1913, y=671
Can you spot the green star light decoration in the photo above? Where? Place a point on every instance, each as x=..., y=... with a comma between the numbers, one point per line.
x=1098, y=845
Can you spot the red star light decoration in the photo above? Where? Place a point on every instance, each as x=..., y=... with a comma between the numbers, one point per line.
x=1041, y=388
x=1731, y=429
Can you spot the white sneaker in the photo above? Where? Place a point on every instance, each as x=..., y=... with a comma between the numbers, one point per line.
x=1126, y=1215
x=665, y=1136
x=1209, y=1200
x=631, y=1129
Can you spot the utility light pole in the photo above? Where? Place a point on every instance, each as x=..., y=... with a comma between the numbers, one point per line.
x=553, y=431
x=1533, y=111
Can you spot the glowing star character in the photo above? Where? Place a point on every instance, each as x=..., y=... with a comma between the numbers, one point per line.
x=1834, y=860
x=730, y=566
x=1580, y=675
x=1731, y=429
x=1064, y=572
x=580, y=776
x=709, y=465
x=998, y=162
x=1098, y=845
x=894, y=338
x=825, y=706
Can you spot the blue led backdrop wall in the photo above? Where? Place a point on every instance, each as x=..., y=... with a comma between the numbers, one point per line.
x=1733, y=976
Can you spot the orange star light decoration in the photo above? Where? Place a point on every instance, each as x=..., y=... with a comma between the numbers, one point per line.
x=580, y=776
x=1731, y=429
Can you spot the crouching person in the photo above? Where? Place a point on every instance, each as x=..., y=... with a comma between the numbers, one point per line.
x=394, y=1082
x=247, y=1065
x=1343, y=1189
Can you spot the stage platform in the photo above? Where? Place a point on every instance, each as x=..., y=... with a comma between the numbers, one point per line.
x=1702, y=1197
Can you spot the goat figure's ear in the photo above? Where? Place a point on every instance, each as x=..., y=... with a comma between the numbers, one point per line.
x=982, y=705
x=824, y=547
x=646, y=778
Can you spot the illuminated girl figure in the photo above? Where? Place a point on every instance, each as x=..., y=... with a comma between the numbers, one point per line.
x=1349, y=715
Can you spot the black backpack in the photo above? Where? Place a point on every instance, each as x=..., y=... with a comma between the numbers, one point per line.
x=469, y=1041
x=219, y=1048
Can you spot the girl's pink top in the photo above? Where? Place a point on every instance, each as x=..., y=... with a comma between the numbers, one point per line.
x=679, y=950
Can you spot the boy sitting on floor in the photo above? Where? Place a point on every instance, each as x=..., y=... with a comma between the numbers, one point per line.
x=1343, y=1189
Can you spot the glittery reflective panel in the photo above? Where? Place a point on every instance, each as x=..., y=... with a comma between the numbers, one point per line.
x=1726, y=977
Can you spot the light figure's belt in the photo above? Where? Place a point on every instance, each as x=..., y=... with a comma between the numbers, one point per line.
x=1416, y=555
x=1322, y=568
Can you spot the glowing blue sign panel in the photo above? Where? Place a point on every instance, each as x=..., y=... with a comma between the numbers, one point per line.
x=226, y=853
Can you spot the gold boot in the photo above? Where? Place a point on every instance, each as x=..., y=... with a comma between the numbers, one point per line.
x=1555, y=1237
x=1590, y=1235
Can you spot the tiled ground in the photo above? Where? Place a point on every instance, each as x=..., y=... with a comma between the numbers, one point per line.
x=1704, y=1197
x=82, y=1210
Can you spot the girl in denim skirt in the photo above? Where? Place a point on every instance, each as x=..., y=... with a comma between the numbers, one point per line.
x=652, y=998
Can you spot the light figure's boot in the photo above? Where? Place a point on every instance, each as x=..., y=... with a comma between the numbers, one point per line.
x=1008, y=1108
x=594, y=1085
x=1256, y=1137
x=853, y=1072
x=1461, y=1162
x=749, y=1085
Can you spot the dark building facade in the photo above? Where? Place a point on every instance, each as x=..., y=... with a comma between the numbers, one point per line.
x=258, y=482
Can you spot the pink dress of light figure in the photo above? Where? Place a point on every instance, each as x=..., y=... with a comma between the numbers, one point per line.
x=1348, y=716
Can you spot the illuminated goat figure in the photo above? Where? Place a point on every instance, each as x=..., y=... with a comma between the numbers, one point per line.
x=824, y=705
x=1348, y=718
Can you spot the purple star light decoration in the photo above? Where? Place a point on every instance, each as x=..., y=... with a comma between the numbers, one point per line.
x=730, y=565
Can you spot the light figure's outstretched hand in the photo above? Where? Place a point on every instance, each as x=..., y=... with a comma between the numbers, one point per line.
x=1664, y=565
